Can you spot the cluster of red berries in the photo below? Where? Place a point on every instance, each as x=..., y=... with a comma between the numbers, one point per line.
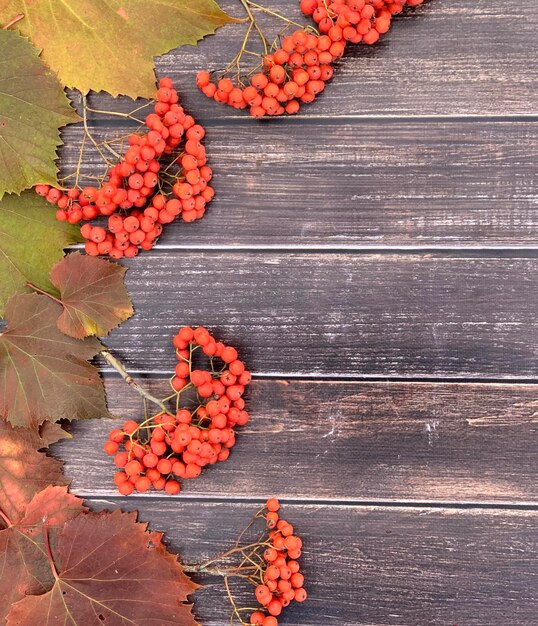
x=297, y=72
x=136, y=213
x=282, y=580
x=167, y=447
x=354, y=21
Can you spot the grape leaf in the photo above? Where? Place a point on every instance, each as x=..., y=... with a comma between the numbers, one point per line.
x=44, y=374
x=111, y=571
x=33, y=107
x=23, y=472
x=24, y=565
x=93, y=295
x=31, y=242
x=110, y=44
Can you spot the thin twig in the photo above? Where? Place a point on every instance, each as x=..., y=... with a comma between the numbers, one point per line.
x=118, y=366
x=90, y=136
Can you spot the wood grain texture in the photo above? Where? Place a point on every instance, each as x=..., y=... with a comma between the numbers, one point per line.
x=373, y=565
x=350, y=441
x=367, y=183
x=338, y=315
x=447, y=57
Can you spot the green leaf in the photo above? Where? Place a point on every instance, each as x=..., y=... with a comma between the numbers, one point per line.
x=33, y=107
x=44, y=374
x=93, y=295
x=110, y=44
x=31, y=242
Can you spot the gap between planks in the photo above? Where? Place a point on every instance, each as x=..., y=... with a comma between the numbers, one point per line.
x=338, y=503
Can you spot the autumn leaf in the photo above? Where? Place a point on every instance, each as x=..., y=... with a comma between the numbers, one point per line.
x=31, y=242
x=24, y=564
x=23, y=473
x=93, y=295
x=110, y=45
x=44, y=374
x=111, y=571
x=33, y=107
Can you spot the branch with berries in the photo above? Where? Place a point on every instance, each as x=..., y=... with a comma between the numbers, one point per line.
x=295, y=69
x=162, y=176
x=270, y=563
x=194, y=426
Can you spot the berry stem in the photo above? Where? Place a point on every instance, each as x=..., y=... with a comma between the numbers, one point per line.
x=90, y=136
x=128, y=116
x=246, y=4
x=16, y=19
x=119, y=367
x=274, y=14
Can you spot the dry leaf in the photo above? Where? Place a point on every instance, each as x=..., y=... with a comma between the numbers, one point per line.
x=93, y=295
x=111, y=572
x=44, y=374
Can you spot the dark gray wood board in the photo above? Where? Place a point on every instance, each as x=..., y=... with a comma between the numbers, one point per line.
x=374, y=565
x=367, y=183
x=425, y=141
x=447, y=57
x=350, y=442
x=338, y=315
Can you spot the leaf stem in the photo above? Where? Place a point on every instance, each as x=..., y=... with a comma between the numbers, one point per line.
x=119, y=367
x=45, y=293
x=16, y=19
x=49, y=551
x=5, y=518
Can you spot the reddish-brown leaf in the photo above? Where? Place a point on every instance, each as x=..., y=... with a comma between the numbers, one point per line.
x=23, y=473
x=111, y=571
x=47, y=434
x=93, y=295
x=44, y=375
x=24, y=564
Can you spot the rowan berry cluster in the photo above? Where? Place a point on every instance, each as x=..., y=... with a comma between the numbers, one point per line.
x=136, y=212
x=170, y=446
x=296, y=73
x=282, y=581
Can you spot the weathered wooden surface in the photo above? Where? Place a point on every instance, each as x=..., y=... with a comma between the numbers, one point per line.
x=447, y=57
x=375, y=565
x=339, y=315
x=367, y=183
x=425, y=141
x=354, y=442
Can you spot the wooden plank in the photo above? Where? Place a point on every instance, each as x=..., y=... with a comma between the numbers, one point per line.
x=351, y=441
x=447, y=57
x=374, y=565
x=339, y=315
x=375, y=183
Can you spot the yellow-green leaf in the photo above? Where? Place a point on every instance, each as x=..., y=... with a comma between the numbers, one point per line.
x=31, y=242
x=33, y=107
x=110, y=44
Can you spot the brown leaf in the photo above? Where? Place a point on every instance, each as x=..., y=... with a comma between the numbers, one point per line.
x=44, y=374
x=24, y=565
x=93, y=295
x=47, y=434
x=23, y=473
x=112, y=572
